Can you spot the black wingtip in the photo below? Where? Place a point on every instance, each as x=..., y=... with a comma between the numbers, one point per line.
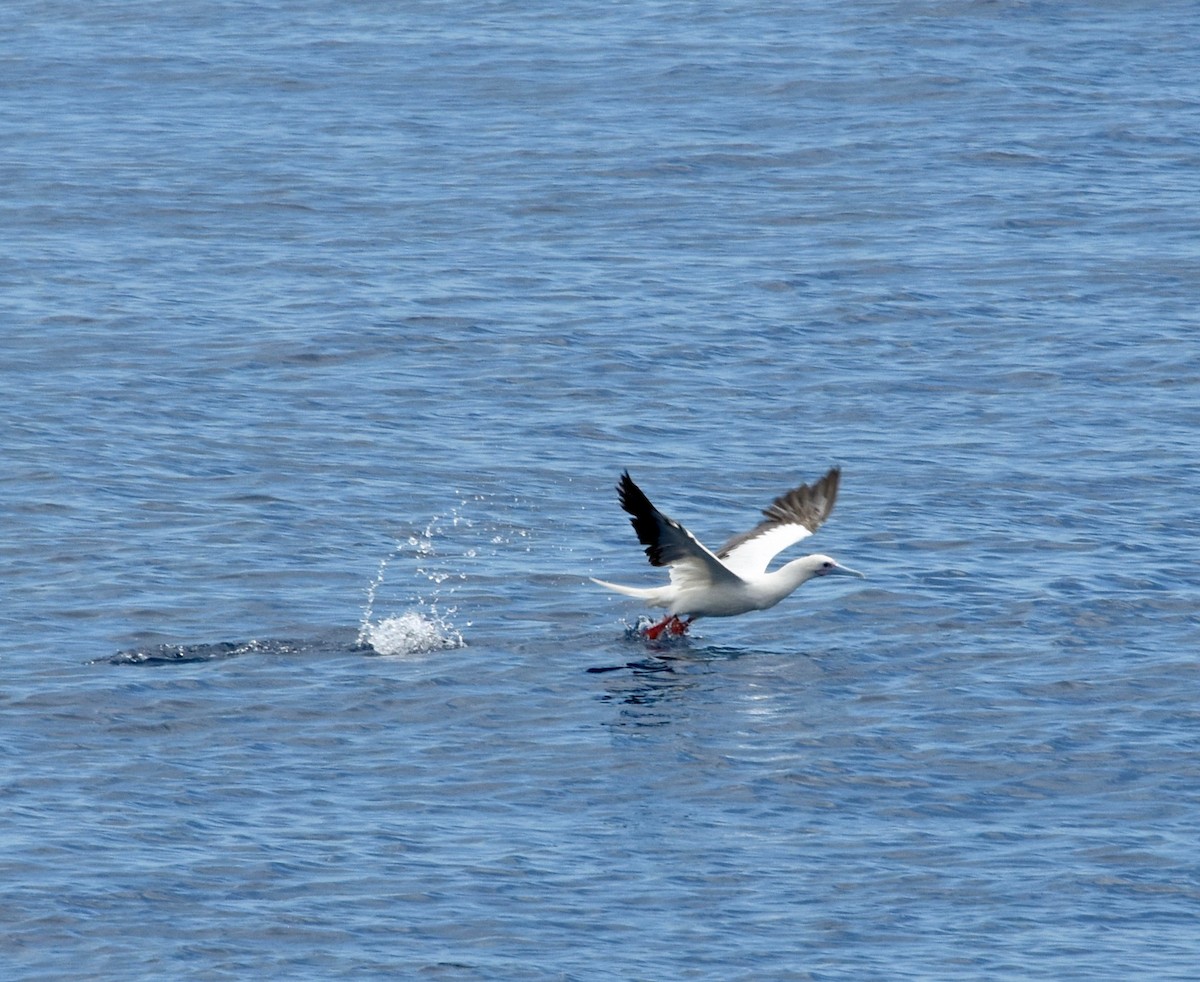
x=632, y=498
x=644, y=517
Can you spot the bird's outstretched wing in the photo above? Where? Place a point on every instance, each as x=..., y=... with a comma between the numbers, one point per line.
x=793, y=516
x=668, y=543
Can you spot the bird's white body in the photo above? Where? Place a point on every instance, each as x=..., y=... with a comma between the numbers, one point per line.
x=734, y=580
x=732, y=597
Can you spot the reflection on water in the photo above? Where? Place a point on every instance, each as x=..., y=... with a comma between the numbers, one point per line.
x=646, y=689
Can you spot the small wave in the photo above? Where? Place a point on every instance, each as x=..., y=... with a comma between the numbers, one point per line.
x=174, y=654
x=411, y=633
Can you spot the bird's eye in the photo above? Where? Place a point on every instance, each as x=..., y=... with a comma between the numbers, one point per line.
x=827, y=565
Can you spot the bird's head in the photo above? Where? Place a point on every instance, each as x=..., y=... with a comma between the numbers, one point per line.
x=801, y=570
x=828, y=566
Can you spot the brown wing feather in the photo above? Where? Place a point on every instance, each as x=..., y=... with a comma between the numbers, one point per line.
x=806, y=505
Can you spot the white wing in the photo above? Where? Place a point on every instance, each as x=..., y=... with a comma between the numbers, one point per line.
x=669, y=544
x=793, y=516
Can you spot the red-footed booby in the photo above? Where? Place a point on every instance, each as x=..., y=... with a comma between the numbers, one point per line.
x=733, y=580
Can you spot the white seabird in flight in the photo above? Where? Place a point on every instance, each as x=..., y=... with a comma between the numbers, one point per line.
x=733, y=580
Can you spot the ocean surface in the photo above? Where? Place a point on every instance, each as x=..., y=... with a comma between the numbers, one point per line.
x=325, y=332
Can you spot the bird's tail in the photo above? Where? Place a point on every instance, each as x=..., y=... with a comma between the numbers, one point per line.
x=652, y=595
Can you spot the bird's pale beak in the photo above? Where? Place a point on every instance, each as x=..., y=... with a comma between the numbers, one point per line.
x=841, y=570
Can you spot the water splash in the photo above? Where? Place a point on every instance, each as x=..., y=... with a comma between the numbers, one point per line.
x=413, y=632
x=427, y=628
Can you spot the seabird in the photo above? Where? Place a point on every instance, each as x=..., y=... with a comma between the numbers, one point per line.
x=733, y=580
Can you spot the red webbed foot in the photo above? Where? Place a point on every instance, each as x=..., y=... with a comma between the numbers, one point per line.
x=672, y=625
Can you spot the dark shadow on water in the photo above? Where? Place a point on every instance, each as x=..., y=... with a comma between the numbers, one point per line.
x=646, y=693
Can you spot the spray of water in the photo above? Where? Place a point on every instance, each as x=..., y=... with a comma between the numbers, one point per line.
x=428, y=627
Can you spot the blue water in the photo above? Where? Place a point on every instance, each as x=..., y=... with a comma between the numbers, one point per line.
x=325, y=332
